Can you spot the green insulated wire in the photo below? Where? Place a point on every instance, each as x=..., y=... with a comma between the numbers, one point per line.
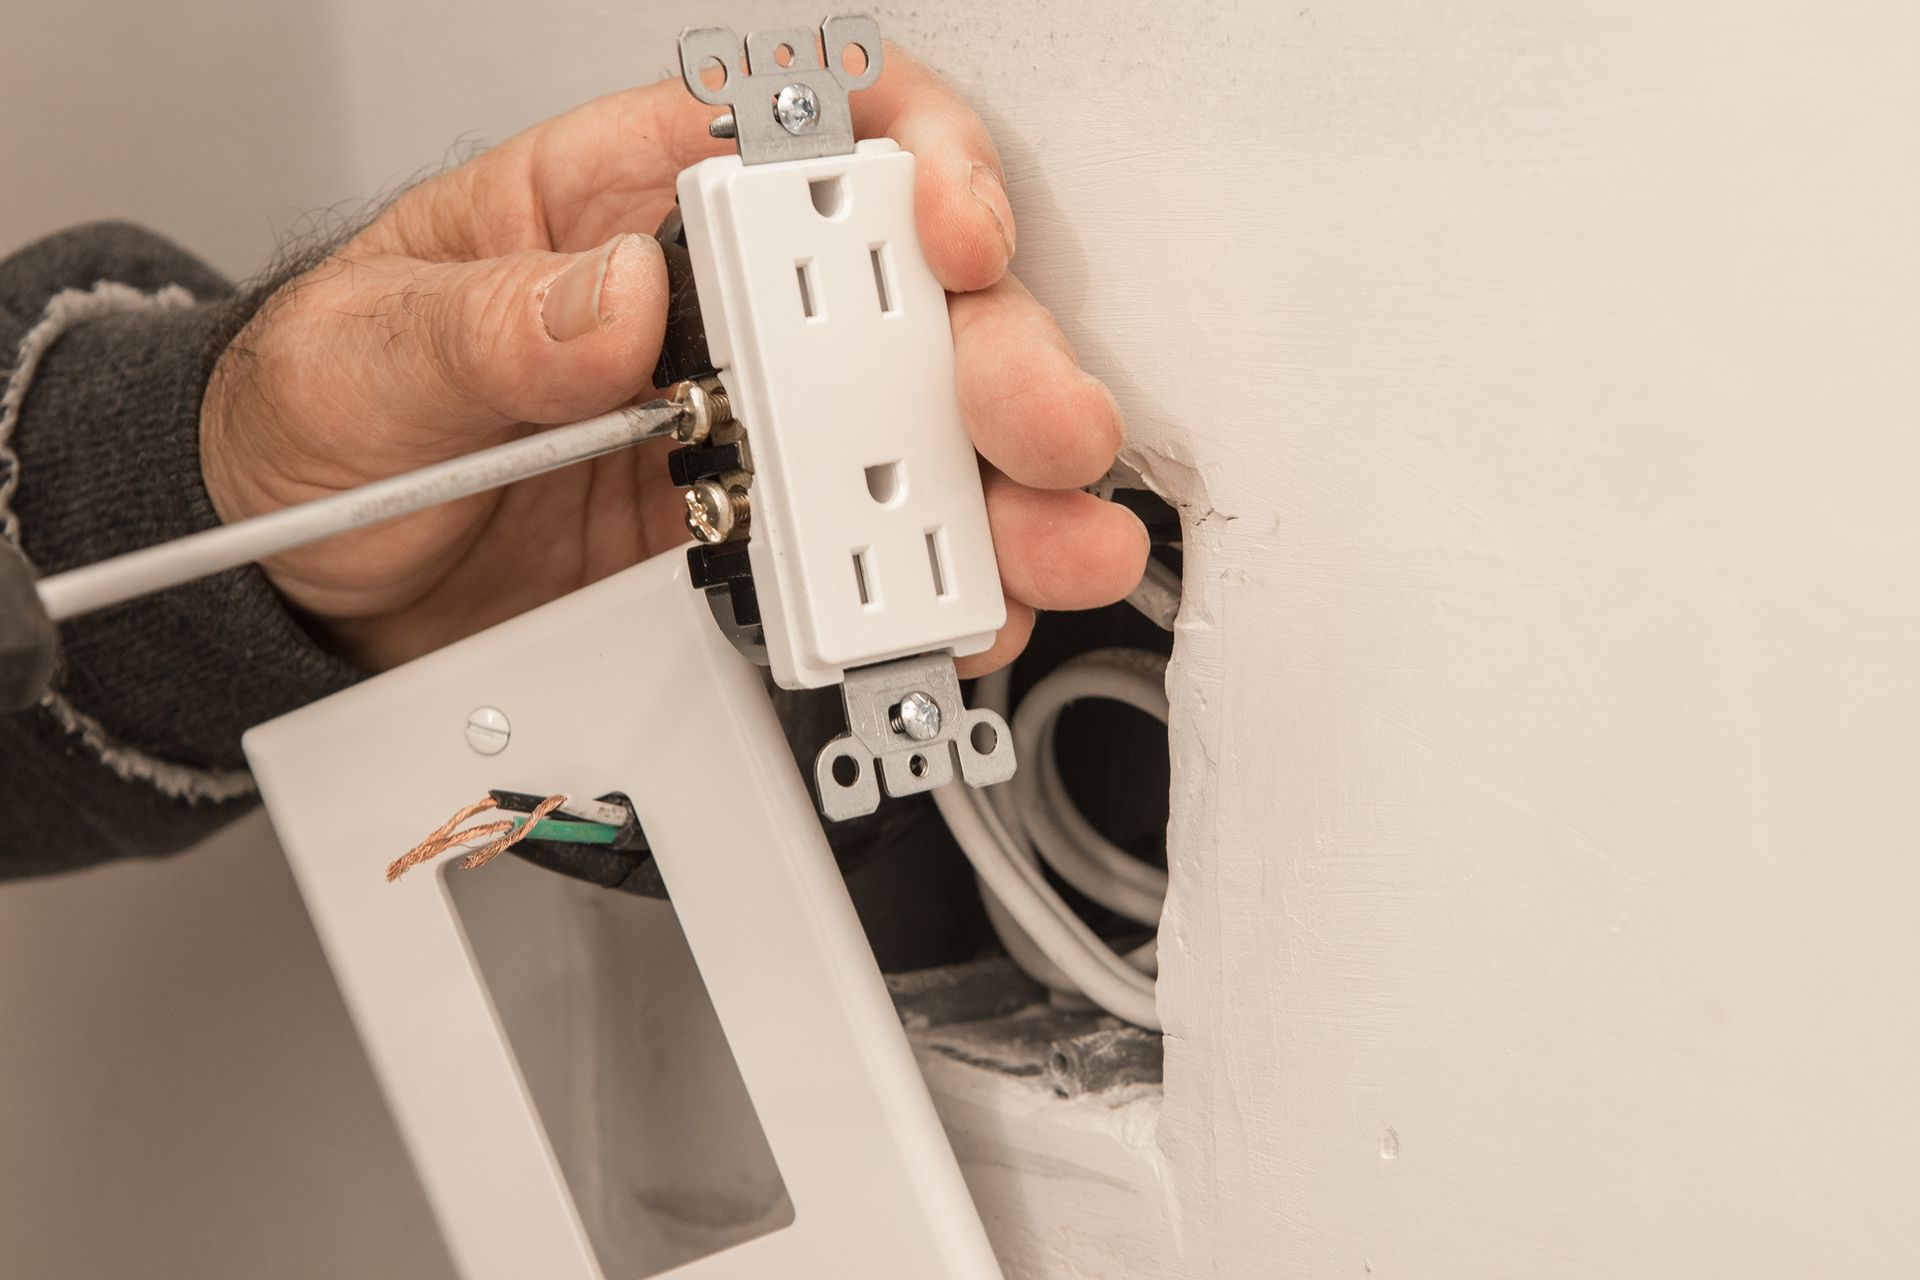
x=563, y=832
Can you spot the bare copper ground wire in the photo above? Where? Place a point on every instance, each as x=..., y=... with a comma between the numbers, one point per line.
x=447, y=836
x=444, y=837
x=481, y=857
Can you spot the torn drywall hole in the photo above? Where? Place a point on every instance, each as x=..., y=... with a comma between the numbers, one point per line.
x=1169, y=472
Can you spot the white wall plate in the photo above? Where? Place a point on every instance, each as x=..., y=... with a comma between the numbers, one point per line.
x=624, y=686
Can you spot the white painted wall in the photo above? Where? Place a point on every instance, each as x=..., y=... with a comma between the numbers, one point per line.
x=1550, y=418
x=1539, y=379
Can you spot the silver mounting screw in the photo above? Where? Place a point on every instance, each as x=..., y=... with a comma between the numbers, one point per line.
x=488, y=730
x=796, y=108
x=917, y=716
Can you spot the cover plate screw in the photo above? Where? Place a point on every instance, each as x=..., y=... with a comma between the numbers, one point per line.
x=488, y=730
x=796, y=108
x=917, y=716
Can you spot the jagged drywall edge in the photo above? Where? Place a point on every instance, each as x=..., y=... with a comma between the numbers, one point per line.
x=1195, y=685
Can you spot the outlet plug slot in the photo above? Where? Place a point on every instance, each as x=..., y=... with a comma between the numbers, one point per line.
x=887, y=483
x=829, y=195
x=863, y=580
x=937, y=561
x=809, y=304
x=881, y=279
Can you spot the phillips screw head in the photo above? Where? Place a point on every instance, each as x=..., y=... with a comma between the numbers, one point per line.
x=917, y=716
x=796, y=108
x=715, y=511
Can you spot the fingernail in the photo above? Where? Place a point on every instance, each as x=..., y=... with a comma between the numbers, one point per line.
x=1101, y=385
x=572, y=304
x=984, y=183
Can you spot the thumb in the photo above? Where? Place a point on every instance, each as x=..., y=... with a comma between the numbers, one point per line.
x=531, y=337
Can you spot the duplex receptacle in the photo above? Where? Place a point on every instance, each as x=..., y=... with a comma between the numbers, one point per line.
x=870, y=539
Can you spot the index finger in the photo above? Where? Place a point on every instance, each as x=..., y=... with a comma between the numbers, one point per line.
x=609, y=166
x=960, y=195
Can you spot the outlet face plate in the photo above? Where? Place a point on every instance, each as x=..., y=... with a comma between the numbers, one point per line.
x=869, y=538
x=875, y=1189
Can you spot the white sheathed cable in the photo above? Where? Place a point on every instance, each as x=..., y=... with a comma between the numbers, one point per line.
x=1024, y=951
x=1053, y=926
x=139, y=573
x=1005, y=822
x=1071, y=846
x=1006, y=830
x=1017, y=809
x=1158, y=595
x=1011, y=830
x=994, y=691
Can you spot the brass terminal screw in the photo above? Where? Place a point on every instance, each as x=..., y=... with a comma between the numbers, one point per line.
x=715, y=512
x=703, y=407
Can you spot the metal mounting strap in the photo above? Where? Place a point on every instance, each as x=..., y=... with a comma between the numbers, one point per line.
x=795, y=109
x=908, y=755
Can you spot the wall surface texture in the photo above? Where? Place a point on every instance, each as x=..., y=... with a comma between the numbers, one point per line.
x=1538, y=382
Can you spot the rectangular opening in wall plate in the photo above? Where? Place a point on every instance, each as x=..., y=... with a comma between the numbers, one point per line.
x=881, y=285
x=663, y=1154
x=937, y=561
x=863, y=579
x=809, y=305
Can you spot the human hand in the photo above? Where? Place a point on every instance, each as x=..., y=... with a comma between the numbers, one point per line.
x=520, y=290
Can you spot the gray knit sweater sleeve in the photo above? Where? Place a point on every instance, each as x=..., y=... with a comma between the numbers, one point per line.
x=107, y=336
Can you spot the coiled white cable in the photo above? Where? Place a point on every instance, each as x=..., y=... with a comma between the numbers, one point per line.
x=1007, y=831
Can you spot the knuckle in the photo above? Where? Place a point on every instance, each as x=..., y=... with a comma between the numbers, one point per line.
x=474, y=334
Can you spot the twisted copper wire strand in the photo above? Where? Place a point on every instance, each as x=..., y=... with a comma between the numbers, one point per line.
x=461, y=839
x=436, y=843
x=481, y=857
x=446, y=836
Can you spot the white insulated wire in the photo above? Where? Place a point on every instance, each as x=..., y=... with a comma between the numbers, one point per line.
x=1006, y=831
x=1040, y=912
x=1158, y=595
x=139, y=573
x=1069, y=843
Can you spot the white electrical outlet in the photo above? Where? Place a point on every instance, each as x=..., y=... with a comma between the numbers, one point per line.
x=869, y=530
x=839, y=458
